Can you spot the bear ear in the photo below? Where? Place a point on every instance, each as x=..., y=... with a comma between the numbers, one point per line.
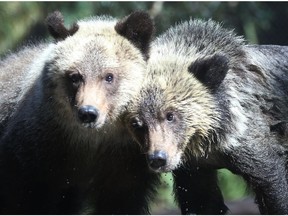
x=210, y=71
x=138, y=27
x=55, y=24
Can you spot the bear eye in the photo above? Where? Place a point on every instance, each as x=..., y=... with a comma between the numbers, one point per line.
x=136, y=123
x=170, y=117
x=76, y=79
x=109, y=78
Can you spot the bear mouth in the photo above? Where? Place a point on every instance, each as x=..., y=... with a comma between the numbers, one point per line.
x=164, y=169
x=89, y=125
x=93, y=125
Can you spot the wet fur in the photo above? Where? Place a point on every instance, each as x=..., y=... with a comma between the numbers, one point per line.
x=230, y=104
x=51, y=163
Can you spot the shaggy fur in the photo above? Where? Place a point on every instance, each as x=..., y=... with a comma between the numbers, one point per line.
x=12, y=76
x=52, y=162
x=210, y=101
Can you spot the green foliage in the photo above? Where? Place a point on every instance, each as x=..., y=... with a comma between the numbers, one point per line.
x=232, y=186
x=165, y=198
x=16, y=17
x=259, y=22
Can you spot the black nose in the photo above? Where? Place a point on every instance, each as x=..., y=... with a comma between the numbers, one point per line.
x=157, y=160
x=87, y=114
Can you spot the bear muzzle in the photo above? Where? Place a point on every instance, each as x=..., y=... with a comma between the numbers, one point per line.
x=88, y=114
x=157, y=160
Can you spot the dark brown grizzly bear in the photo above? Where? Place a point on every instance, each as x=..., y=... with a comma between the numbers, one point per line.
x=62, y=150
x=211, y=101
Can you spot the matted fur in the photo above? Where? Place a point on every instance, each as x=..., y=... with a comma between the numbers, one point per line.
x=223, y=126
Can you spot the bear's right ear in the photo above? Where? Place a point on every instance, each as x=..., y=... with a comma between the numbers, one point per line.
x=138, y=27
x=210, y=71
x=56, y=27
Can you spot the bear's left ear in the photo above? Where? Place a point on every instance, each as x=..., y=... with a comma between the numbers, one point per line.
x=210, y=71
x=56, y=27
x=138, y=27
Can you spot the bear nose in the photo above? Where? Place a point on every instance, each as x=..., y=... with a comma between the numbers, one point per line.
x=157, y=160
x=87, y=114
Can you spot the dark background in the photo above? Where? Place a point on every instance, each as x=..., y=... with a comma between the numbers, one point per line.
x=258, y=22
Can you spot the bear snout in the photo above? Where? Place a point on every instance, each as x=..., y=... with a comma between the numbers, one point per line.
x=157, y=160
x=88, y=114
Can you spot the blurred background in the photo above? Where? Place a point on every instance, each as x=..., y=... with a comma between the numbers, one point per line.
x=258, y=22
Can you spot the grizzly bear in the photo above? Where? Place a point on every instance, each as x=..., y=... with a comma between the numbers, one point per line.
x=212, y=101
x=62, y=150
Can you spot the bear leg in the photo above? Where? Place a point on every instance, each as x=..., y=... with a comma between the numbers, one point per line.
x=197, y=191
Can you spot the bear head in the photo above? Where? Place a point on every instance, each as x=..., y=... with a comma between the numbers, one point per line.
x=176, y=110
x=95, y=67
